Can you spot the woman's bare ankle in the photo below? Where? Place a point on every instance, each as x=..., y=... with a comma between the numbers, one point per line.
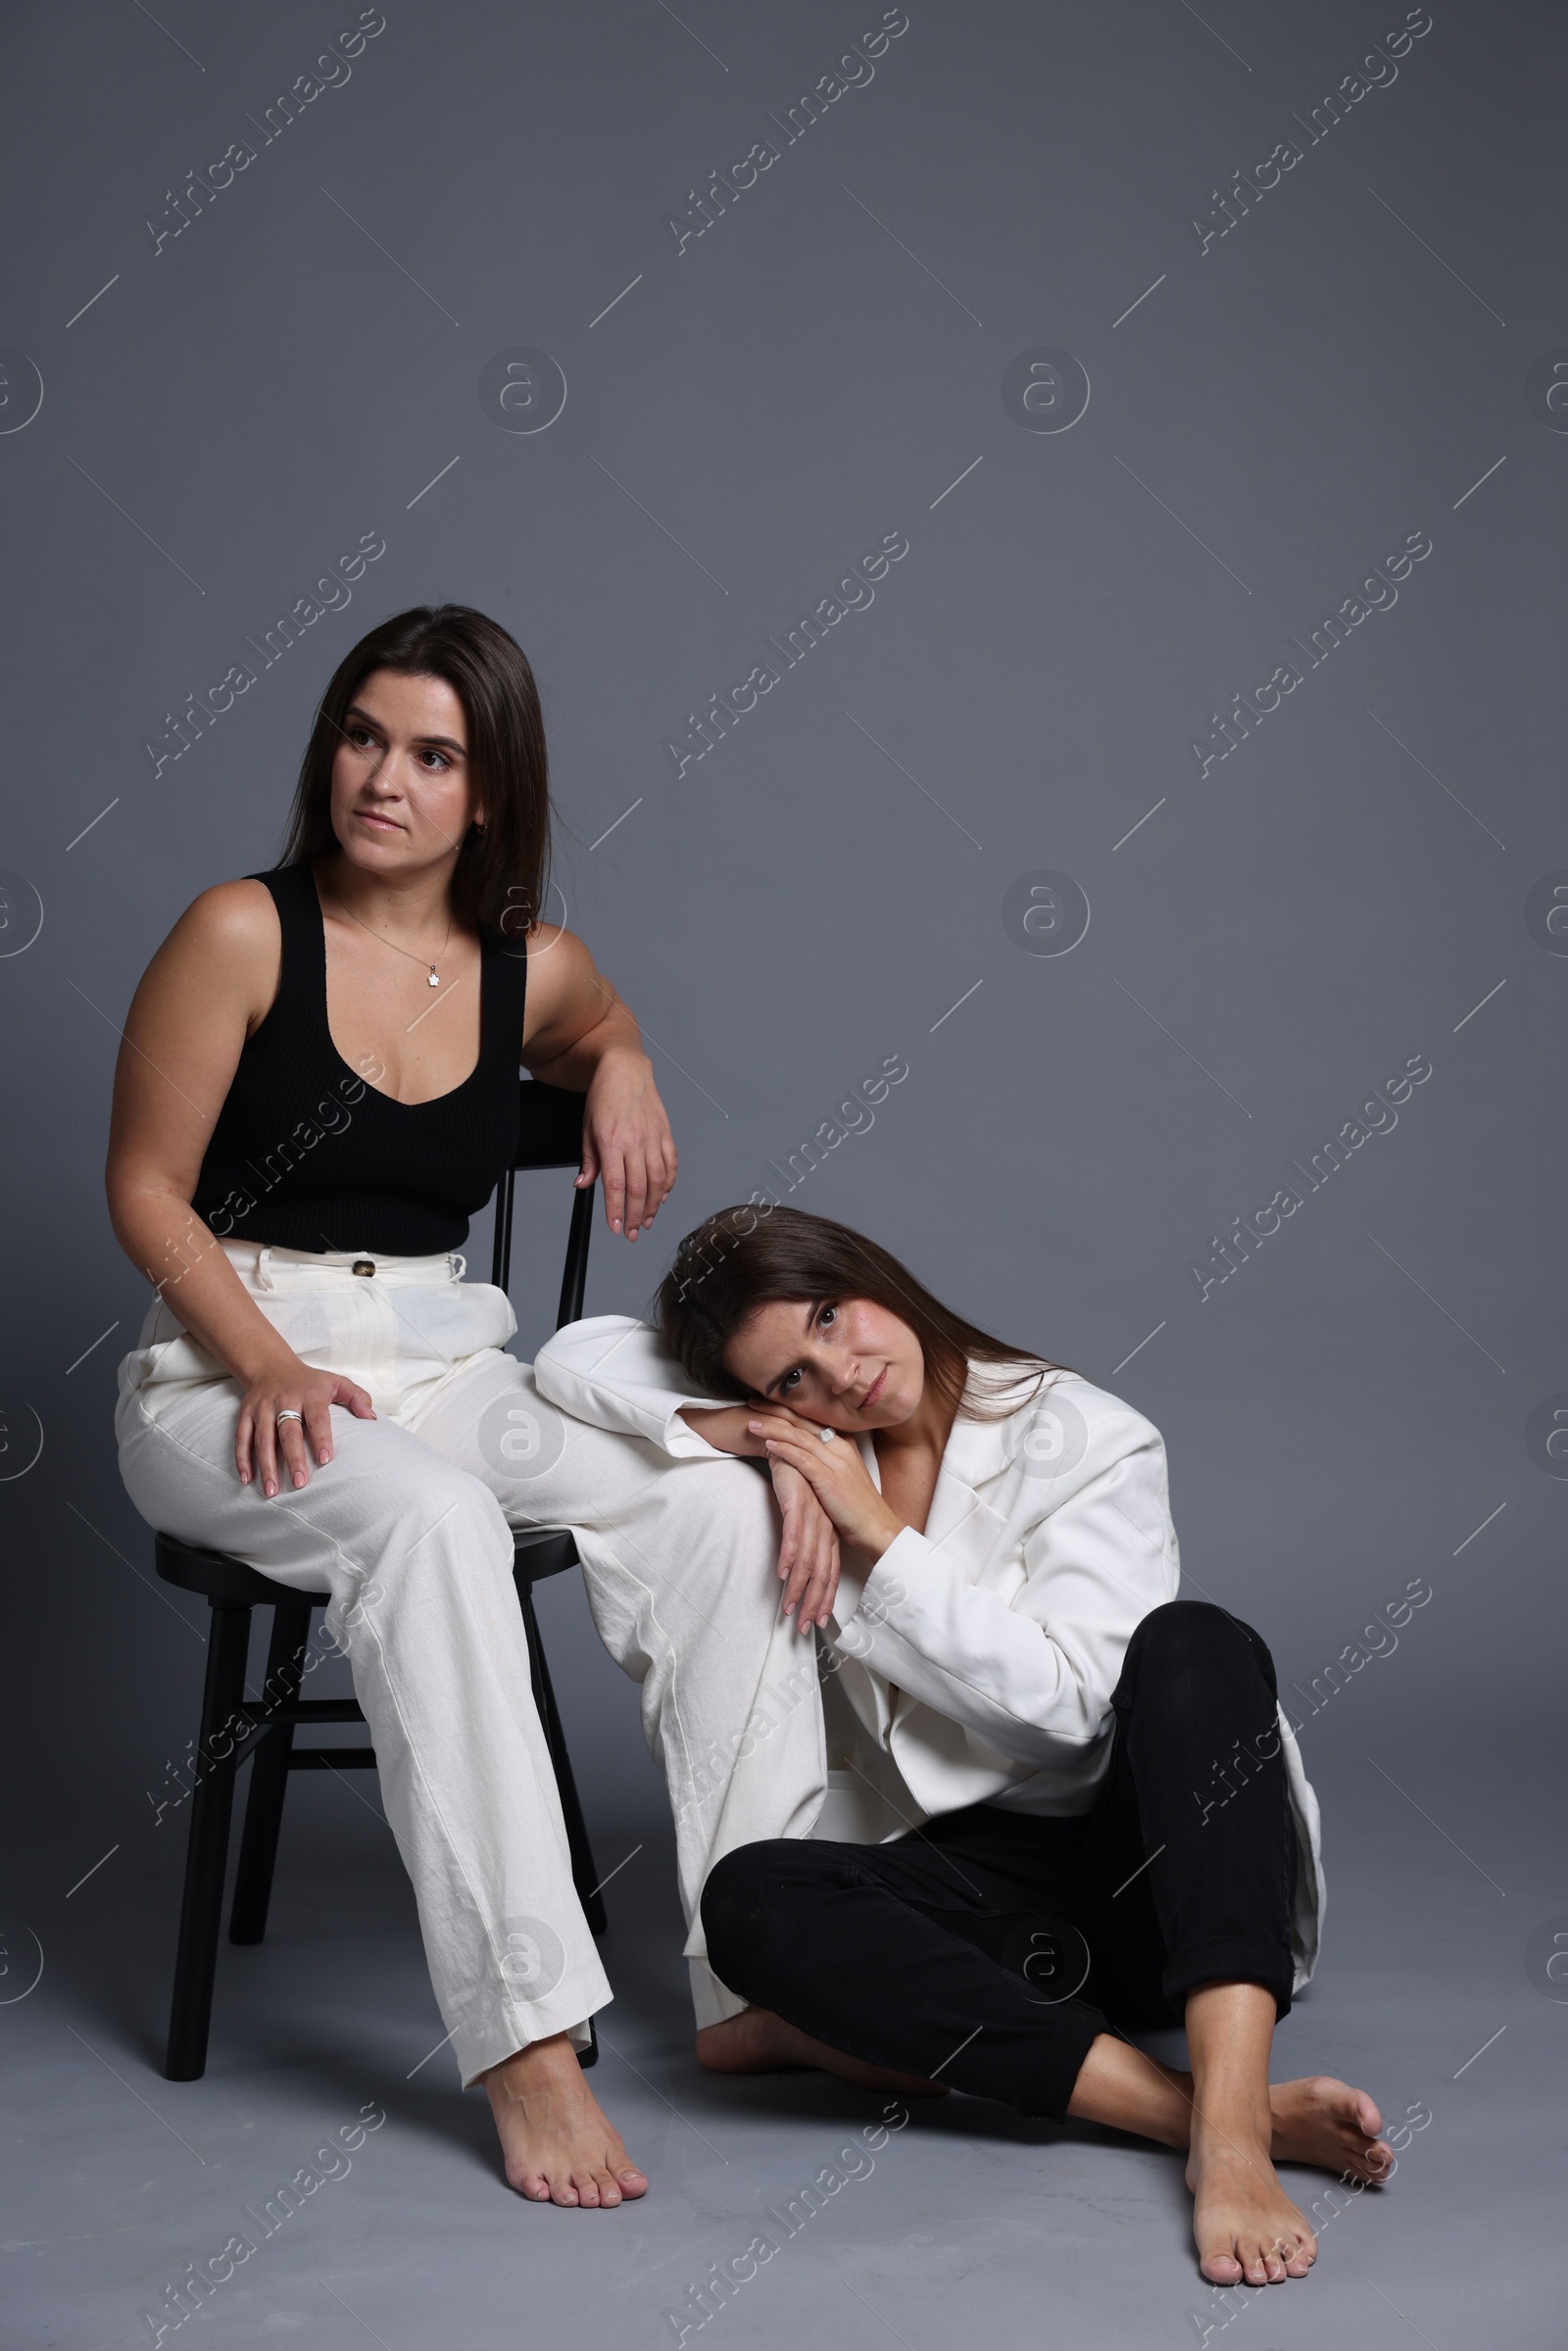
x=541, y=2064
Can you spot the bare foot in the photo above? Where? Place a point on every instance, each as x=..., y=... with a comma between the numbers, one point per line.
x=558, y=2145
x=1318, y=2119
x=1244, y=2224
x=757, y=2041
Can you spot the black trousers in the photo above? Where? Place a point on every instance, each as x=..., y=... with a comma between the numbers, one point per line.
x=990, y=1948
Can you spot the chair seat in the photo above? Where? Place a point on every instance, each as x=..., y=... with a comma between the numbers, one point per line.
x=537, y=1553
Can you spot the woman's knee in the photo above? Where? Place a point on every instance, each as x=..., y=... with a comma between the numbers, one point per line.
x=744, y=1897
x=1189, y=1640
x=724, y=1507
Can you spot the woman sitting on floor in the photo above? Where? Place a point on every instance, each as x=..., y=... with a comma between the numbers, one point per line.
x=1006, y=1665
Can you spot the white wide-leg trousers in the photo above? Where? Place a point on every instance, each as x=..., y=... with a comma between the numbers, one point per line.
x=409, y=1529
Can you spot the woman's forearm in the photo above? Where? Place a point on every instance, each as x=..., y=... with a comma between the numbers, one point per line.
x=586, y=1041
x=166, y=1240
x=576, y=1067
x=723, y=1427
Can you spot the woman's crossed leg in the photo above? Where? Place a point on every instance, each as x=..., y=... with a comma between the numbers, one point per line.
x=1004, y=1955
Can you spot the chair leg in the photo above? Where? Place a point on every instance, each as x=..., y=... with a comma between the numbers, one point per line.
x=263, y=1802
x=584, y=1872
x=206, y=1849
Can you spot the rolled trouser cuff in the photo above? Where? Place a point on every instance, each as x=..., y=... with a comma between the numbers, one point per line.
x=1045, y=2081
x=478, y=2043
x=1231, y=1959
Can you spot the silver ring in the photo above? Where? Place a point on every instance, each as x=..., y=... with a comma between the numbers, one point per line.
x=827, y=1436
x=288, y=1413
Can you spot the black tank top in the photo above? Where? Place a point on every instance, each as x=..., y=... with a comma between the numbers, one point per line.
x=307, y=1155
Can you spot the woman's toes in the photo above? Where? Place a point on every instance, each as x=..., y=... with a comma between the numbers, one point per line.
x=1367, y=2116
x=631, y=2182
x=1256, y=2259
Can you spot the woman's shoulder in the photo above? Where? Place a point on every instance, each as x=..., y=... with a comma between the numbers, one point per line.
x=1056, y=1413
x=228, y=938
x=1062, y=1436
x=234, y=914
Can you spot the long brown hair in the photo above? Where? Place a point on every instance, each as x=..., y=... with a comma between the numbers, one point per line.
x=503, y=867
x=744, y=1258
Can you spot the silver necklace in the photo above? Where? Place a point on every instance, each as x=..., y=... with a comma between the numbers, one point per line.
x=435, y=977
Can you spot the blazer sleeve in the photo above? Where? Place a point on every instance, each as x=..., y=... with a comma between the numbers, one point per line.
x=611, y=1372
x=1015, y=1624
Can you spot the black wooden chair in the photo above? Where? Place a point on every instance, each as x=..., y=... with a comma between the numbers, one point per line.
x=550, y=1136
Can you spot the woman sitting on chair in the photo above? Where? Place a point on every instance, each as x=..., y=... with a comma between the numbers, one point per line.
x=1010, y=1674
x=319, y=1086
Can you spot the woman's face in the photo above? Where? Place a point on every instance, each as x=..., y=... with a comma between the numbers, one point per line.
x=845, y=1362
x=403, y=798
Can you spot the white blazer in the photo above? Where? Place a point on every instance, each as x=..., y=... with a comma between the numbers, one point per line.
x=980, y=1655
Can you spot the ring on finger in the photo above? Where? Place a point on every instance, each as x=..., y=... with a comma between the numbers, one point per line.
x=288, y=1413
x=828, y=1435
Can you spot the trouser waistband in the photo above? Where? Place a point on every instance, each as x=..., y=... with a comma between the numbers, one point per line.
x=268, y=1267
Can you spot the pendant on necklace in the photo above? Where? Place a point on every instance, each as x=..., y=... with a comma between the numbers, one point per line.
x=433, y=980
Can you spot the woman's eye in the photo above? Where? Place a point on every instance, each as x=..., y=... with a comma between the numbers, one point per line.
x=826, y=1319
x=790, y=1379
x=441, y=763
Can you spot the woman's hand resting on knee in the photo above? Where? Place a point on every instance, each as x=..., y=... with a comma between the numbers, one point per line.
x=835, y=1472
x=808, y=1555
x=267, y=1450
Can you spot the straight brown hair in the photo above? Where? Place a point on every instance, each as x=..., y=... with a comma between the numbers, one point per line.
x=741, y=1258
x=503, y=867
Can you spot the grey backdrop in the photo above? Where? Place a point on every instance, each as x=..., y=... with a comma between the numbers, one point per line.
x=1285, y=385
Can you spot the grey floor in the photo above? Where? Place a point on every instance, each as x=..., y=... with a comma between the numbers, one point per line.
x=967, y=2224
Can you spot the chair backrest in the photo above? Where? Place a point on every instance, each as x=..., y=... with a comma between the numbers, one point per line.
x=549, y=1135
